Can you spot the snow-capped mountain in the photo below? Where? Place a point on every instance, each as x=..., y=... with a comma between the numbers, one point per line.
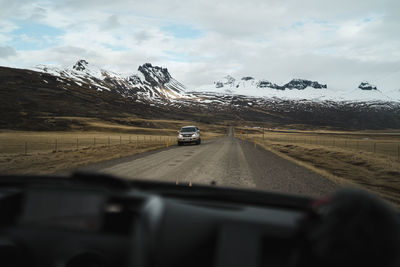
x=149, y=82
x=230, y=84
x=156, y=84
x=297, y=89
x=86, y=90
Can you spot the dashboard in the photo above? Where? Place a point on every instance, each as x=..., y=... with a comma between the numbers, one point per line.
x=71, y=222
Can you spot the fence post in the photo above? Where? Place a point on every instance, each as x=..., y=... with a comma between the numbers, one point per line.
x=398, y=152
x=56, y=145
x=26, y=148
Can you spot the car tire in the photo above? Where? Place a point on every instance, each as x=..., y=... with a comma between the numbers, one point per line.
x=198, y=142
x=179, y=143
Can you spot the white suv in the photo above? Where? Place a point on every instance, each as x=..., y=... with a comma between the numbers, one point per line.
x=189, y=134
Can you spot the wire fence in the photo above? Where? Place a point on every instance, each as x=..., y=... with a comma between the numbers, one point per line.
x=27, y=147
x=380, y=147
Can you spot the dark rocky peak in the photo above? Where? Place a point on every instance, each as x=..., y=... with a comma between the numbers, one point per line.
x=302, y=84
x=247, y=78
x=218, y=84
x=229, y=80
x=367, y=86
x=265, y=83
x=134, y=79
x=155, y=75
x=80, y=65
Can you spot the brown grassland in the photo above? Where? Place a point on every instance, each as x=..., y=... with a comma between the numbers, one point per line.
x=92, y=140
x=338, y=156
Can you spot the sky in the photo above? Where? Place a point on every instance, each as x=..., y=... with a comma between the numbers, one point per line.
x=340, y=43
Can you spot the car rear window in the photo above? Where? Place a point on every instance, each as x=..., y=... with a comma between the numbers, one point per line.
x=188, y=129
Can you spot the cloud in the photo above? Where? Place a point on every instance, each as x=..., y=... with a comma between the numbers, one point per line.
x=142, y=36
x=7, y=51
x=38, y=14
x=7, y=26
x=111, y=23
x=199, y=41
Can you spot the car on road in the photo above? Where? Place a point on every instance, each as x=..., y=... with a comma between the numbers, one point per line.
x=189, y=134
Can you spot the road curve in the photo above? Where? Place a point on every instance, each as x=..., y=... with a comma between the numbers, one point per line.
x=227, y=161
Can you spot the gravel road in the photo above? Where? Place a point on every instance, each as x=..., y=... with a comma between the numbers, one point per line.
x=227, y=161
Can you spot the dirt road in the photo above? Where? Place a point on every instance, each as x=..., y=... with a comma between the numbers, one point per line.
x=228, y=162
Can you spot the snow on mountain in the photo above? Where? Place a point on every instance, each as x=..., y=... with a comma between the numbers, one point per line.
x=156, y=84
x=360, y=95
x=297, y=89
x=150, y=82
x=394, y=95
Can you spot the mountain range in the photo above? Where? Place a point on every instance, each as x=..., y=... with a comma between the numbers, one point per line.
x=29, y=97
x=153, y=82
x=299, y=89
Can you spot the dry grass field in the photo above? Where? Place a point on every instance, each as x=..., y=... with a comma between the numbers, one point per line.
x=344, y=157
x=47, y=163
x=91, y=141
x=377, y=142
x=90, y=132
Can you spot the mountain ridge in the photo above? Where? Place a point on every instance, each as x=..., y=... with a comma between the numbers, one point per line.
x=149, y=81
x=157, y=84
x=299, y=84
x=298, y=89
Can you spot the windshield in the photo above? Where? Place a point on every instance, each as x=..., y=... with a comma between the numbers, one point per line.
x=188, y=130
x=295, y=97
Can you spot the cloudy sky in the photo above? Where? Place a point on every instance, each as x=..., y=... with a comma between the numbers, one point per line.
x=339, y=42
